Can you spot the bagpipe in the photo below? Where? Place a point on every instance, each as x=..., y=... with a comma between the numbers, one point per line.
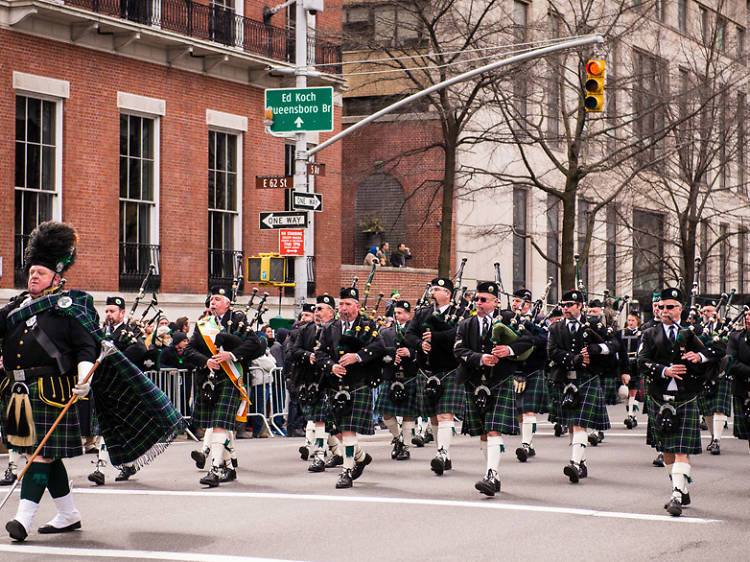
x=134, y=329
x=353, y=340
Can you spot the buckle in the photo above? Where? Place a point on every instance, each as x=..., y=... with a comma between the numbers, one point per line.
x=572, y=375
x=19, y=375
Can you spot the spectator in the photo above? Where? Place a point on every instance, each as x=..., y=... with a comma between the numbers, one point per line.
x=171, y=357
x=183, y=324
x=384, y=253
x=260, y=376
x=275, y=347
x=399, y=257
x=371, y=256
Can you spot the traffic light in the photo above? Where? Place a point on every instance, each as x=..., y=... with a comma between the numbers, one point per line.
x=594, y=96
x=266, y=269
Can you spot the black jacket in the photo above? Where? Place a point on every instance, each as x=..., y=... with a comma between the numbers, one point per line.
x=564, y=351
x=441, y=357
x=333, y=345
x=302, y=346
x=392, y=341
x=739, y=350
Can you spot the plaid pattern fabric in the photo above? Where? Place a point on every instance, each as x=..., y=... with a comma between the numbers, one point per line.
x=65, y=441
x=224, y=410
x=650, y=435
x=686, y=438
x=741, y=423
x=720, y=403
x=317, y=412
x=451, y=401
x=360, y=418
x=500, y=416
x=591, y=413
x=609, y=389
x=385, y=407
x=535, y=398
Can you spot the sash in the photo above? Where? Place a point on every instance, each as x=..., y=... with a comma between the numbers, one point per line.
x=208, y=329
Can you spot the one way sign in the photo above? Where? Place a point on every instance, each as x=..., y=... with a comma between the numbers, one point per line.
x=301, y=201
x=283, y=219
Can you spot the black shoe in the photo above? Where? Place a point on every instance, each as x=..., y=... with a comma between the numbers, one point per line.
x=489, y=485
x=359, y=466
x=211, y=479
x=428, y=436
x=437, y=464
x=600, y=436
x=16, y=530
x=572, y=472
x=634, y=421
x=304, y=452
x=558, y=430
x=317, y=465
x=334, y=460
x=417, y=441
x=658, y=461
x=673, y=507
x=522, y=453
x=448, y=464
x=9, y=477
x=403, y=454
x=345, y=479
x=685, y=499
x=235, y=464
x=125, y=473
x=396, y=442
x=200, y=459
x=584, y=471
x=713, y=447
x=97, y=477
x=628, y=422
x=593, y=439
x=227, y=475
x=50, y=530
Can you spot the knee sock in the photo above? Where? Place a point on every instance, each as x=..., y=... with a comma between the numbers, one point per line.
x=309, y=433
x=444, y=436
x=32, y=489
x=14, y=461
x=718, y=425
x=668, y=468
x=631, y=403
x=320, y=440
x=207, y=435
x=217, y=449
x=680, y=475
x=335, y=445
x=435, y=427
x=59, y=489
x=407, y=430
x=57, y=481
x=483, y=445
x=710, y=423
x=229, y=452
x=494, y=447
x=578, y=447
x=359, y=453
x=101, y=455
x=392, y=425
x=349, y=442
x=527, y=429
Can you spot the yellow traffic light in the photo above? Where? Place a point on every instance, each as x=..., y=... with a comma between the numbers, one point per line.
x=266, y=269
x=594, y=88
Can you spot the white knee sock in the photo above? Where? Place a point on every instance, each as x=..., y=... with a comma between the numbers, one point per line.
x=309, y=433
x=527, y=429
x=444, y=436
x=631, y=402
x=218, y=449
x=494, y=447
x=434, y=429
x=25, y=513
x=407, y=430
x=14, y=461
x=718, y=425
x=392, y=425
x=710, y=423
x=67, y=514
x=320, y=439
x=578, y=447
x=680, y=474
x=207, y=435
x=350, y=443
x=483, y=445
x=359, y=453
x=335, y=445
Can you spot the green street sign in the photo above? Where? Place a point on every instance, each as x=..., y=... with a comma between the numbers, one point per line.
x=300, y=109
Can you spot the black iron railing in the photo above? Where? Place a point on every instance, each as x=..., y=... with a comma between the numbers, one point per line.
x=218, y=24
x=222, y=267
x=135, y=260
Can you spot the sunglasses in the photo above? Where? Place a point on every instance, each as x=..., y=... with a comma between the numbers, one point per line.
x=568, y=304
x=481, y=299
x=667, y=306
x=320, y=307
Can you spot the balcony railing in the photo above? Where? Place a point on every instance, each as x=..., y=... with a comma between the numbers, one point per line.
x=218, y=24
x=222, y=266
x=135, y=260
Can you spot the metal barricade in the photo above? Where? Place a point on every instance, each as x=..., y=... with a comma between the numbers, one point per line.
x=268, y=400
x=177, y=385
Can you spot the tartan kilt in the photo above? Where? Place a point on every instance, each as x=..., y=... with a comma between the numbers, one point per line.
x=408, y=409
x=500, y=416
x=687, y=437
x=609, y=388
x=452, y=400
x=720, y=403
x=741, y=423
x=65, y=441
x=317, y=412
x=591, y=413
x=650, y=435
x=360, y=418
x=535, y=398
x=225, y=408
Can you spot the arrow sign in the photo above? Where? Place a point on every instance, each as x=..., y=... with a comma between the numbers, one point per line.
x=298, y=121
x=307, y=201
x=282, y=219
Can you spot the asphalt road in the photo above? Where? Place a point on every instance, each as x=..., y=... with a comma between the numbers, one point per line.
x=399, y=510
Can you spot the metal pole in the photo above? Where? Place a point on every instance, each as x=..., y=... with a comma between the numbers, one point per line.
x=588, y=39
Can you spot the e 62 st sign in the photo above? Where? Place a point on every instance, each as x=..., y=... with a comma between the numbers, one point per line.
x=300, y=109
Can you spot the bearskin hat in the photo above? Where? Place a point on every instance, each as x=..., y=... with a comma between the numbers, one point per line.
x=53, y=245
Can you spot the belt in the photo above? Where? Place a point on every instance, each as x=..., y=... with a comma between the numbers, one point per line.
x=21, y=375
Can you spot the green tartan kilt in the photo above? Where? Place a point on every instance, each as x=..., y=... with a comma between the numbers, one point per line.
x=65, y=441
x=609, y=388
x=686, y=438
x=650, y=435
x=720, y=402
x=408, y=409
x=452, y=399
x=359, y=419
x=535, y=398
x=741, y=423
x=501, y=414
x=591, y=413
x=224, y=412
x=320, y=412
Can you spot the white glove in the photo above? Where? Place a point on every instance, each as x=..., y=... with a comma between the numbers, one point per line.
x=82, y=389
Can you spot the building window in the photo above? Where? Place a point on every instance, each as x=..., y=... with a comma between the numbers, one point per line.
x=741, y=249
x=704, y=24
x=612, y=248
x=740, y=42
x=383, y=23
x=553, y=245
x=520, y=197
x=721, y=31
x=583, y=221
x=37, y=171
x=704, y=255
x=223, y=207
x=660, y=8
x=611, y=98
x=723, y=256
x=553, y=87
x=648, y=250
x=139, y=244
x=649, y=118
x=741, y=101
x=682, y=15
x=520, y=82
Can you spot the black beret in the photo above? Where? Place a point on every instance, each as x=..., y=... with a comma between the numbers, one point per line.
x=326, y=299
x=671, y=293
x=308, y=307
x=119, y=302
x=575, y=296
x=216, y=290
x=402, y=304
x=178, y=337
x=349, y=293
x=595, y=303
x=487, y=287
x=524, y=294
x=443, y=282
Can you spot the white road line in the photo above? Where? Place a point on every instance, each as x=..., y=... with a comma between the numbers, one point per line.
x=137, y=554
x=403, y=501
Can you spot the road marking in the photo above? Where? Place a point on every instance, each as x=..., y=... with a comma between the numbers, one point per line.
x=402, y=501
x=138, y=554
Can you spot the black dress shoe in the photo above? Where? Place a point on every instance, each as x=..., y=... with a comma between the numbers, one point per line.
x=716, y=449
x=659, y=460
x=685, y=499
x=635, y=421
x=417, y=441
x=317, y=465
x=345, y=479
x=403, y=454
x=593, y=439
x=304, y=452
x=334, y=460
x=227, y=475
x=428, y=436
x=396, y=442
x=522, y=453
x=673, y=507
x=211, y=479
x=359, y=466
x=600, y=436
x=16, y=531
x=97, y=477
x=8, y=478
x=558, y=430
x=572, y=472
x=437, y=464
x=448, y=464
x=50, y=530
x=125, y=473
x=200, y=459
x=489, y=485
x=628, y=422
x=584, y=471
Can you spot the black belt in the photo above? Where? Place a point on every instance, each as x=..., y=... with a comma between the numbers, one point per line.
x=22, y=375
